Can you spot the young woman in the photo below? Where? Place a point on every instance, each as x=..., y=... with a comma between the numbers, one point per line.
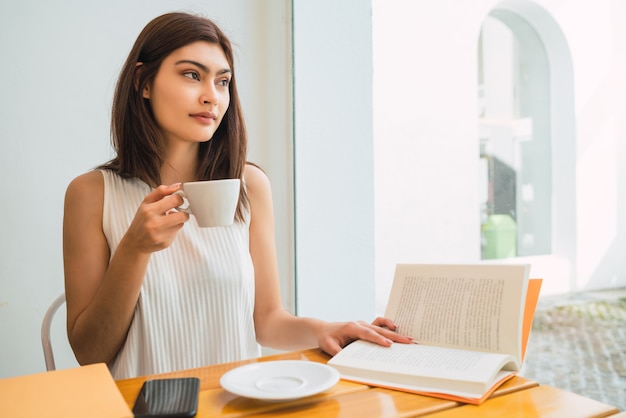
x=148, y=291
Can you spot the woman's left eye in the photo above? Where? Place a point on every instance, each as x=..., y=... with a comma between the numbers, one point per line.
x=192, y=74
x=224, y=82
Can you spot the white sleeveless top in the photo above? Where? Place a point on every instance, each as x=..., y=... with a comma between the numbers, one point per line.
x=197, y=299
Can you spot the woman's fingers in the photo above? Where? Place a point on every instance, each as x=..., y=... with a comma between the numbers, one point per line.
x=155, y=224
x=383, y=331
x=385, y=322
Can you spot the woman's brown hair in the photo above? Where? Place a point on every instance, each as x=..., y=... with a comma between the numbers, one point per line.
x=135, y=134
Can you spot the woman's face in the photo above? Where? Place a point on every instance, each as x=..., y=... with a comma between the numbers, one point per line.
x=189, y=94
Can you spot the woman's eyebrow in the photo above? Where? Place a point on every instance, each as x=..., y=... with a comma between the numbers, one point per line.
x=202, y=66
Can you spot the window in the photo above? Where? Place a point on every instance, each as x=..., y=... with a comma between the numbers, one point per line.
x=515, y=139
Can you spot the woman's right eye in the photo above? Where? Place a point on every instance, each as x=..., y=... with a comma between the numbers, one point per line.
x=192, y=74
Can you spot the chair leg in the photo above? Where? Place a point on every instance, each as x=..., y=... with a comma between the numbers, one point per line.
x=45, y=331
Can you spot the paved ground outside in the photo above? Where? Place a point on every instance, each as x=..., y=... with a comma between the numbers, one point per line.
x=578, y=343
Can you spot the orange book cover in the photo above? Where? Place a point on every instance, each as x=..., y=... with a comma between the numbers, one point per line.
x=87, y=391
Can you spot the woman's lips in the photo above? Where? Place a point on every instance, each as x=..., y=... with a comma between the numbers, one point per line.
x=204, y=117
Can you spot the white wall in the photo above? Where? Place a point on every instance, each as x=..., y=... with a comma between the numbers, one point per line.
x=425, y=79
x=60, y=60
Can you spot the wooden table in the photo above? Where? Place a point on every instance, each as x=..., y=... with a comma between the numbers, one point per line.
x=519, y=397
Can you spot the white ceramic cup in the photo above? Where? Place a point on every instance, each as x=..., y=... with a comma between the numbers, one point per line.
x=212, y=202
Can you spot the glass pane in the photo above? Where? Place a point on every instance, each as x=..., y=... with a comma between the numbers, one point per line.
x=514, y=133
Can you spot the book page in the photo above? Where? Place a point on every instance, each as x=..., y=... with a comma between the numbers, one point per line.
x=473, y=307
x=421, y=361
x=426, y=369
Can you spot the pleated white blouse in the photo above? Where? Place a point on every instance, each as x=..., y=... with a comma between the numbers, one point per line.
x=197, y=298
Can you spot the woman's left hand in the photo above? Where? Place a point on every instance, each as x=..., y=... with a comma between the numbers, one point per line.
x=381, y=331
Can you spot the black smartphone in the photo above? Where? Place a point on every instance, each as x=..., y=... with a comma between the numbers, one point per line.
x=168, y=398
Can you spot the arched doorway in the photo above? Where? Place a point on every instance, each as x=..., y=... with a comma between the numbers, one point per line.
x=527, y=142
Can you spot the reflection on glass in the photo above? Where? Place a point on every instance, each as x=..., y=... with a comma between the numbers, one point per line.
x=514, y=133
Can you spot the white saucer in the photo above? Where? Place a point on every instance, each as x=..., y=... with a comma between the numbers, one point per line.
x=282, y=380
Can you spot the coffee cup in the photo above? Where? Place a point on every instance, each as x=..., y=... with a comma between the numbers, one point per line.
x=211, y=202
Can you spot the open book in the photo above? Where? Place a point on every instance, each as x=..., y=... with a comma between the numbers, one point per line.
x=470, y=322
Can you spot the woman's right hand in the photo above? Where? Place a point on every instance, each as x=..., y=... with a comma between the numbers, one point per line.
x=156, y=221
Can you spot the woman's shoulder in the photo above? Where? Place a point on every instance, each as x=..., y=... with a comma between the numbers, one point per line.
x=88, y=185
x=257, y=185
x=255, y=178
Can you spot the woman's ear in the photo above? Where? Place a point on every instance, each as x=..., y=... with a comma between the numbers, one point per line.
x=146, y=89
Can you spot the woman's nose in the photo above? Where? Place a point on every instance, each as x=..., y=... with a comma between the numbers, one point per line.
x=209, y=95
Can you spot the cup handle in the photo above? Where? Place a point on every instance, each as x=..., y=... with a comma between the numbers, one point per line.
x=185, y=206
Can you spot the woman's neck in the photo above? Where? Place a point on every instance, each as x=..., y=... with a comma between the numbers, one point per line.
x=180, y=165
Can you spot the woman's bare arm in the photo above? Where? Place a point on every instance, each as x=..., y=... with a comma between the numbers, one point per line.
x=275, y=327
x=101, y=294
